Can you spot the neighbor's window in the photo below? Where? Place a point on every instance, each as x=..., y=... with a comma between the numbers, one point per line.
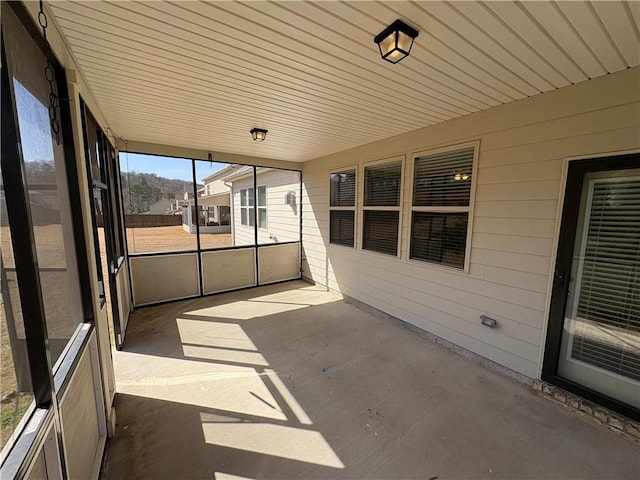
x=262, y=206
x=247, y=201
x=342, y=204
x=440, y=208
x=381, y=211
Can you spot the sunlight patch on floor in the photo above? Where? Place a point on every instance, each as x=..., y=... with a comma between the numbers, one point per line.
x=228, y=476
x=230, y=388
x=224, y=355
x=213, y=334
x=244, y=310
x=277, y=440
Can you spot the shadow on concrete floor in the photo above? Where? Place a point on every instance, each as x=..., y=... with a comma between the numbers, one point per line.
x=290, y=381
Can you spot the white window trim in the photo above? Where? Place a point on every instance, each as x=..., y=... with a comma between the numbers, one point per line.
x=349, y=168
x=470, y=209
x=362, y=208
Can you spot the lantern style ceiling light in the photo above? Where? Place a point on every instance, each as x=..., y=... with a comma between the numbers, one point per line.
x=258, y=134
x=395, y=41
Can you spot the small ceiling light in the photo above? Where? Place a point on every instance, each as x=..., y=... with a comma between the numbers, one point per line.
x=395, y=41
x=258, y=134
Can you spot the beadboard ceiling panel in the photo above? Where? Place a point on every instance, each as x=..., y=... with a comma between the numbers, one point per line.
x=202, y=74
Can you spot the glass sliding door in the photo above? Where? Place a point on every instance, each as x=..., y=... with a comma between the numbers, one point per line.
x=601, y=341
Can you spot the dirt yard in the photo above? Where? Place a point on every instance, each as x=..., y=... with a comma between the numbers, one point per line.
x=166, y=239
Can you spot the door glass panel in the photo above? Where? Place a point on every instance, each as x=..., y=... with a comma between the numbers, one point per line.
x=45, y=173
x=601, y=343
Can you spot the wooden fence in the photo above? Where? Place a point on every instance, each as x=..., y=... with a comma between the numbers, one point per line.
x=141, y=221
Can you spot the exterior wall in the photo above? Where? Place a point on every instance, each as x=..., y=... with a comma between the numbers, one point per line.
x=523, y=147
x=216, y=187
x=283, y=221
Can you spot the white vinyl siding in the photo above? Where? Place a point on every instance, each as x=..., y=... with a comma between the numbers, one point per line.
x=519, y=183
x=282, y=219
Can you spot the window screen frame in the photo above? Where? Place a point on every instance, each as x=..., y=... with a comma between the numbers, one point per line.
x=469, y=210
x=363, y=208
x=351, y=208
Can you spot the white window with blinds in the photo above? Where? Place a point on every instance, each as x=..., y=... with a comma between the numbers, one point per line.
x=441, y=206
x=382, y=207
x=342, y=207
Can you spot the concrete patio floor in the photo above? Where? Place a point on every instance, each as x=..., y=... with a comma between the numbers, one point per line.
x=290, y=381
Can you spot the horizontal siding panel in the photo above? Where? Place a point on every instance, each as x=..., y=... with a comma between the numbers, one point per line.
x=625, y=115
x=508, y=302
x=514, y=261
x=614, y=139
x=512, y=243
x=508, y=192
x=539, y=228
x=549, y=170
x=515, y=336
x=529, y=209
x=529, y=281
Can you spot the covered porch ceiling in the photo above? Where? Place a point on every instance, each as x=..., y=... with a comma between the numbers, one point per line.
x=202, y=74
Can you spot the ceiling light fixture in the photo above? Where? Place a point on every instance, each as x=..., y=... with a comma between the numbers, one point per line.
x=258, y=134
x=395, y=41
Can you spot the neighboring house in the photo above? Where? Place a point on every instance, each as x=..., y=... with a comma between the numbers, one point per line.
x=275, y=207
x=213, y=206
x=166, y=206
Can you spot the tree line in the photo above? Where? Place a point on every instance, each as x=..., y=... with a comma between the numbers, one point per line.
x=141, y=190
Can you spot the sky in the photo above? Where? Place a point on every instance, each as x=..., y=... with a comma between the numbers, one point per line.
x=168, y=167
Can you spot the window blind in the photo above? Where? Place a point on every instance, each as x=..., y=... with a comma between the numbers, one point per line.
x=343, y=189
x=380, y=231
x=443, y=179
x=341, y=228
x=439, y=237
x=608, y=327
x=382, y=185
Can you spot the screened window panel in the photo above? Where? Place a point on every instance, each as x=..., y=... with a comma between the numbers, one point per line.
x=341, y=228
x=243, y=198
x=608, y=307
x=382, y=185
x=48, y=194
x=251, y=197
x=243, y=216
x=439, y=238
x=380, y=231
x=443, y=179
x=343, y=189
